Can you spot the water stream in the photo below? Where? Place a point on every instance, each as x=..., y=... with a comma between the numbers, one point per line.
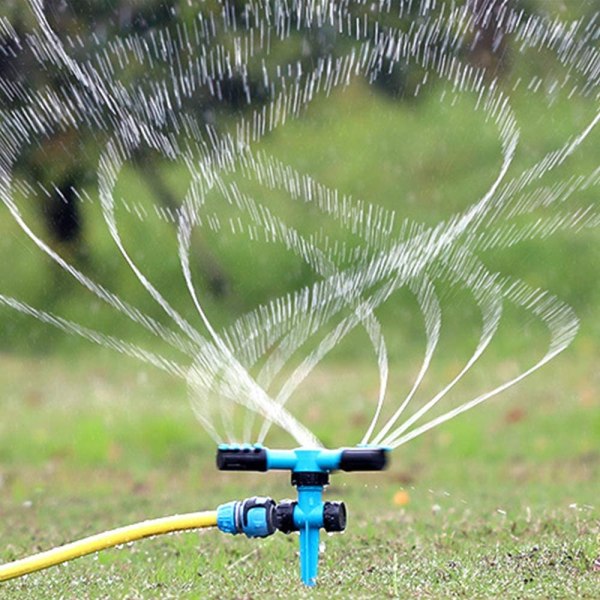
x=137, y=92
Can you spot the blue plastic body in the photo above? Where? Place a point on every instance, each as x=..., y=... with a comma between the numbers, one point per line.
x=308, y=517
x=304, y=460
x=308, y=513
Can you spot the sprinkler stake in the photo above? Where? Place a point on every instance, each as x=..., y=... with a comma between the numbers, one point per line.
x=310, y=469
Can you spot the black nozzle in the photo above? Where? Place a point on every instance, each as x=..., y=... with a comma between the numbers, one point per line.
x=284, y=516
x=334, y=516
x=245, y=458
x=363, y=459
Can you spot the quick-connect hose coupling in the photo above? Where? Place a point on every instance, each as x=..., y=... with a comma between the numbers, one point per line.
x=255, y=517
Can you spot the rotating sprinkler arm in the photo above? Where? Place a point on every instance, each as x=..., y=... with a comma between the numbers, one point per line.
x=310, y=469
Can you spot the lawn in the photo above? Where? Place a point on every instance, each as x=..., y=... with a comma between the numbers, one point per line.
x=501, y=502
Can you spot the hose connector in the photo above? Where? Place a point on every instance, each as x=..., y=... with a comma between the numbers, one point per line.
x=254, y=517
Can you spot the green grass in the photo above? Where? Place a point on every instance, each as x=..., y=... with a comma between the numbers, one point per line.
x=502, y=501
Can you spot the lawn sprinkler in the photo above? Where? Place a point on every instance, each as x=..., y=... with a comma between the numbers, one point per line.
x=254, y=517
x=310, y=469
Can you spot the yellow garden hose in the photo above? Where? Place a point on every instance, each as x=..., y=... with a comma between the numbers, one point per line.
x=107, y=539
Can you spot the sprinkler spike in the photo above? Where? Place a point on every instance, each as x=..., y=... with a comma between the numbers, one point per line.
x=310, y=469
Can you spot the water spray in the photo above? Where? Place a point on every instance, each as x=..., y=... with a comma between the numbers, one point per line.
x=310, y=469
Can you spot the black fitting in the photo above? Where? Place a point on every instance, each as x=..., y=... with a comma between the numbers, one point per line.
x=363, y=459
x=284, y=516
x=310, y=478
x=244, y=458
x=334, y=516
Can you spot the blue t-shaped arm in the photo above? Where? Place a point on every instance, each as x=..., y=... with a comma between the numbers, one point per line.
x=310, y=468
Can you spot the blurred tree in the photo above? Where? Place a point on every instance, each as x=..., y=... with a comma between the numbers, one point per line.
x=65, y=161
x=488, y=48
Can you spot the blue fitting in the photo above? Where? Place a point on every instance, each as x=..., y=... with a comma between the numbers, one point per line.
x=310, y=468
x=226, y=518
x=254, y=517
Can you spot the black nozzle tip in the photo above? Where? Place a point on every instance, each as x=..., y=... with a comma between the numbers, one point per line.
x=334, y=516
x=242, y=458
x=364, y=459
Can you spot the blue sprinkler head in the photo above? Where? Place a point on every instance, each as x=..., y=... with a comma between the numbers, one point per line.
x=310, y=469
